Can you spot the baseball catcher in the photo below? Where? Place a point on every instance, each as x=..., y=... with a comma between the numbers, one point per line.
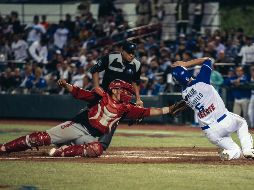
x=79, y=136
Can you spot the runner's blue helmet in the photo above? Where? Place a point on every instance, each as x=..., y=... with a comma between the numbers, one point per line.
x=181, y=75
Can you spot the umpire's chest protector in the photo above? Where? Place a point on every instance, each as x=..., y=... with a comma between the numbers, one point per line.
x=120, y=69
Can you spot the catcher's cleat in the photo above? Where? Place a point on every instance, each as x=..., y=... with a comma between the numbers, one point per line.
x=67, y=151
x=57, y=152
x=90, y=150
x=249, y=154
x=2, y=149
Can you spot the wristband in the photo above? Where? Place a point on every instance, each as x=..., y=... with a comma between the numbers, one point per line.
x=165, y=110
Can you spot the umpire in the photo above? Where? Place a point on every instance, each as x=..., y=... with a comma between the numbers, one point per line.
x=118, y=65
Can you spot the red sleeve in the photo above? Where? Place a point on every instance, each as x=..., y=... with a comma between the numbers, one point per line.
x=135, y=112
x=82, y=94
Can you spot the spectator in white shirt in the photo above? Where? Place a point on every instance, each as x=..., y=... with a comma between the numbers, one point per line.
x=87, y=82
x=19, y=48
x=61, y=35
x=247, y=52
x=87, y=60
x=39, y=51
x=35, y=30
x=77, y=79
x=63, y=72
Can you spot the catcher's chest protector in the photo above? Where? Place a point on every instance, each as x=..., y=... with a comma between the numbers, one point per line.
x=105, y=114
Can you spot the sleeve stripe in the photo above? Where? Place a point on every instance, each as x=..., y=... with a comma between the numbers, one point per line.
x=208, y=66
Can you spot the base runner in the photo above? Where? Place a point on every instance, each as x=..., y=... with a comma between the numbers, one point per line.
x=214, y=119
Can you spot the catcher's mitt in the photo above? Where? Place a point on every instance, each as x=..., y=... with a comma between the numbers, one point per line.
x=177, y=108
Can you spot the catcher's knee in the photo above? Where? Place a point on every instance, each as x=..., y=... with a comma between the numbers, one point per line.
x=38, y=139
x=104, y=145
x=93, y=150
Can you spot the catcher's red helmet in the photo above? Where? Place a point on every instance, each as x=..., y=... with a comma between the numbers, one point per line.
x=120, y=84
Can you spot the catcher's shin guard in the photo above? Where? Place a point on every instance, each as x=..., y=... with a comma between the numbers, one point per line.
x=16, y=145
x=90, y=150
x=39, y=139
x=93, y=150
x=26, y=142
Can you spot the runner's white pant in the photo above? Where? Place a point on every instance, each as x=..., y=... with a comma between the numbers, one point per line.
x=220, y=135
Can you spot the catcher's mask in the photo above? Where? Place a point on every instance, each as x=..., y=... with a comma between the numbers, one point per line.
x=181, y=75
x=126, y=90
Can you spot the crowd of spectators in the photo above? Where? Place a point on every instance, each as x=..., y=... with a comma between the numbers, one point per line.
x=42, y=52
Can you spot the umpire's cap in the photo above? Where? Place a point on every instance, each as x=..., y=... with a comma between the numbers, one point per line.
x=129, y=47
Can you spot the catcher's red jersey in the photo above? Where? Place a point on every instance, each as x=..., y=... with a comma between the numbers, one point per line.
x=107, y=112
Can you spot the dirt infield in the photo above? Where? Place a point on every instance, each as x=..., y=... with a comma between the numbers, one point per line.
x=130, y=155
x=134, y=155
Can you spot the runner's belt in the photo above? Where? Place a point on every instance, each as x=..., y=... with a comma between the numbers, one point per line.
x=218, y=120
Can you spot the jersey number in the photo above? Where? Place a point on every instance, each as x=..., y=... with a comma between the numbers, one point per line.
x=199, y=107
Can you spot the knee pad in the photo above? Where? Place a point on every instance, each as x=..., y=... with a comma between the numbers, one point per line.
x=93, y=150
x=38, y=139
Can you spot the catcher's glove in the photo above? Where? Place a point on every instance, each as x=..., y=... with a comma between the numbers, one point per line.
x=177, y=108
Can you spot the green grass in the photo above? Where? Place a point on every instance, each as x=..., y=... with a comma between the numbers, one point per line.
x=175, y=139
x=49, y=175
x=11, y=131
x=91, y=176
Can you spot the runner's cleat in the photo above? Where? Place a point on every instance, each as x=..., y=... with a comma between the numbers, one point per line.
x=249, y=154
x=223, y=155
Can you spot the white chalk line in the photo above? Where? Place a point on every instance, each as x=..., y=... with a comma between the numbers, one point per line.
x=36, y=157
x=125, y=154
x=141, y=157
x=144, y=153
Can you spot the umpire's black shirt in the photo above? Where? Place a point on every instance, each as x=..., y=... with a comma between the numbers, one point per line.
x=117, y=68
